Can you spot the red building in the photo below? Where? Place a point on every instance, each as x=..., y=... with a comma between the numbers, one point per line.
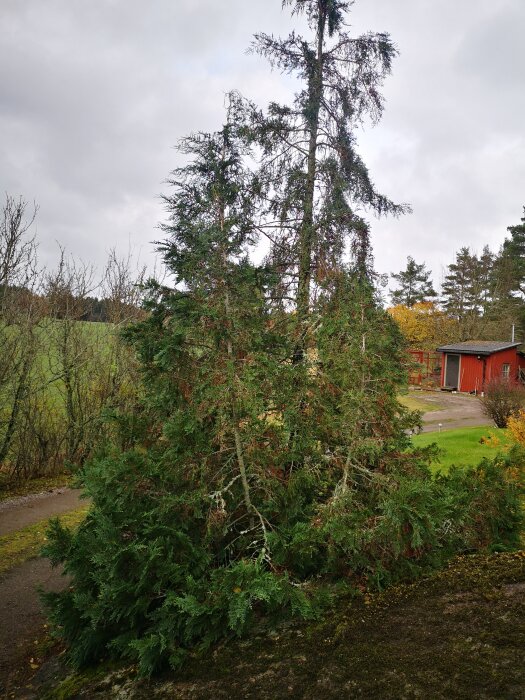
x=470, y=365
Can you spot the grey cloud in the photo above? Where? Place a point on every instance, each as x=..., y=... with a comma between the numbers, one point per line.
x=95, y=94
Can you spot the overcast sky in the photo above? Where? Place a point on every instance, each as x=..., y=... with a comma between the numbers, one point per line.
x=95, y=93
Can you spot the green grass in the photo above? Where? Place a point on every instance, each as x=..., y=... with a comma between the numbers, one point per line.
x=94, y=339
x=46, y=380
x=464, y=447
x=17, y=547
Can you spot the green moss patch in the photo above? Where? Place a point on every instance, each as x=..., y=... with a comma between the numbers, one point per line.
x=420, y=402
x=17, y=547
x=45, y=483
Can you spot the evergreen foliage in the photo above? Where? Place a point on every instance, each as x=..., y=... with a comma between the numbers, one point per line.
x=271, y=463
x=467, y=291
x=319, y=181
x=508, y=282
x=415, y=284
x=514, y=251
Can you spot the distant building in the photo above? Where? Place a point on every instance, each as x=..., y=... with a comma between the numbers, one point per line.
x=470, y=365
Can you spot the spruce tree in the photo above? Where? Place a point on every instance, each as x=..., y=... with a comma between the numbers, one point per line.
x=415, y=284
x=319, y=181
x=466, y=292
x=508, y=284
x=514, y=251
x=483, y=285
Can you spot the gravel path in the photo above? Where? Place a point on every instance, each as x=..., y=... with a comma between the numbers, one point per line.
x=459, y=411
x=17, y=513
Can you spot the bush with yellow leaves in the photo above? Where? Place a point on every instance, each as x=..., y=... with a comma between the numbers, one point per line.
x=516, y=426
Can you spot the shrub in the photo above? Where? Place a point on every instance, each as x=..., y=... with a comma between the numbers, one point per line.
x=516, y=426
x=502, y=399
x=151, y=577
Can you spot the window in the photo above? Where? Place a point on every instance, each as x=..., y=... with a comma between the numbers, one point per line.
x=505, y=371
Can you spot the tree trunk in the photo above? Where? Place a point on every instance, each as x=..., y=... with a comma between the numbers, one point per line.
x=307, y=230
x=231, y=357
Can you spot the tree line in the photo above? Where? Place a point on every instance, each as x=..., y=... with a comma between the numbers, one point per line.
x=482, y=296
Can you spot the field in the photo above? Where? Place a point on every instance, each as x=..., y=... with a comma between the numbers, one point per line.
x=464, y=447
x=58, y=377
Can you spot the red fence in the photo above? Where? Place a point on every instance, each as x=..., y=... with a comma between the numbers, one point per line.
x=425, y=369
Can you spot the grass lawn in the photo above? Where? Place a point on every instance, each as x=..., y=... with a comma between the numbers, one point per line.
x=464, y=447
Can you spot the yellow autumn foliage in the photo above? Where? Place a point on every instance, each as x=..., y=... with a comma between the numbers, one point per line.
x=424, y=325
x=516, y=427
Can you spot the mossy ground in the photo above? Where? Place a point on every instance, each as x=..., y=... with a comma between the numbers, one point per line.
x=21, y=545
x=9, y=489
x=420, y=401
x=458, y=634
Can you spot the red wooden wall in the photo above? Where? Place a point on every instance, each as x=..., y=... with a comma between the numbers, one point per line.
x=496, y=361
x=471, y=368
x=471, y=373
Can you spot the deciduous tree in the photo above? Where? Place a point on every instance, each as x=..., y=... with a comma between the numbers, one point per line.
x=424, y=325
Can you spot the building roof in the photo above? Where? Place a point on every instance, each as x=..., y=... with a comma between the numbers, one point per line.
x=478, y=347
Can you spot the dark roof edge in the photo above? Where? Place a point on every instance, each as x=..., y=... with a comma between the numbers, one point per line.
x=465, y=351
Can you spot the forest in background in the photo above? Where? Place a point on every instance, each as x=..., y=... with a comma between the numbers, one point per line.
x=481, y=297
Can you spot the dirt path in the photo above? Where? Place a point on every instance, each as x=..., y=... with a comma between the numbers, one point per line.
x=22, y=627
x=22, y=619
x=17, y=513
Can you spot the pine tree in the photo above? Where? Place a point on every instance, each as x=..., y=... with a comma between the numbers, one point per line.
x=483, y=286
x=466, y=291
x=508, y=284
x=514, y=251
x=415, y=284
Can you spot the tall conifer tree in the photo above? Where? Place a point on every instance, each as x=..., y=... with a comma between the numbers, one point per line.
x=415, y=284
x=270, y=457
x=310, y=152
x=514, y=250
